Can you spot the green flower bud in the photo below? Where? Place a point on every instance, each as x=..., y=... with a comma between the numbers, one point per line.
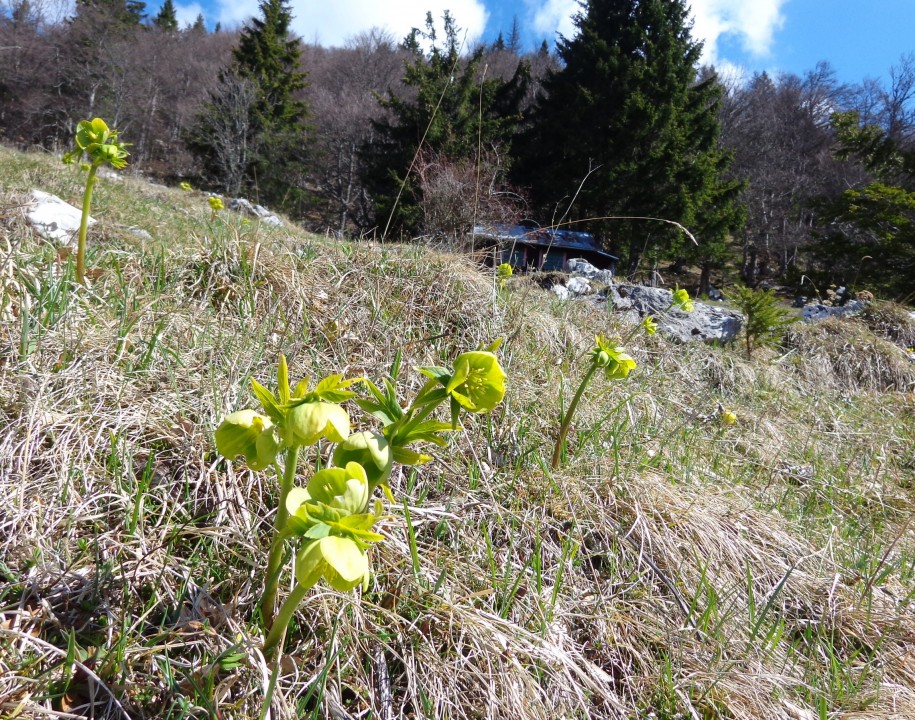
x=338, y=560
x=310, y=421
x=371, y=451
x=247, y=433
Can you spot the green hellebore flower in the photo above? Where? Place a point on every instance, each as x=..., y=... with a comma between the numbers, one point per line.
x=247, y=433
x=728, y=418
x=345, y=489
x=478, y=381
x=614, y=360
x=92, y=132
x=682, y=300
x=310, y=421
x=651, y=327
x=338, y=560
x=215, y=203
x=186, y=186
x=101, y=144
x=372, y=451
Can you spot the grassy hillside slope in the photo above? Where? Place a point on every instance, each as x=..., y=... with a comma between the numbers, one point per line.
x=672, y=568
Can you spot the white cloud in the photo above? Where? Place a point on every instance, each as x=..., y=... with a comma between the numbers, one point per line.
x=752, y=23
x=331, y=22
x=552, y=16
x=187, y=14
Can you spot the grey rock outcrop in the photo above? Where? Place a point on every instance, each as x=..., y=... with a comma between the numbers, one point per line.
x=582, y=268
x=53, y=218
x=706, y=323
x=579, y=286
x=816, y=311
x=246, y=207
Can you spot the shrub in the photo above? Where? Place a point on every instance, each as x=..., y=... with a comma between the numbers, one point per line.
x=764, y=319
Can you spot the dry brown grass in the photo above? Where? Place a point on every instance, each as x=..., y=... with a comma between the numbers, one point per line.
x=673, y=568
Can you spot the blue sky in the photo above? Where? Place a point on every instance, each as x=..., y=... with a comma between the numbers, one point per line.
x=860, y=38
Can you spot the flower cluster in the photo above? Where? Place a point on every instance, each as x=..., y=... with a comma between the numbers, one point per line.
x=613, y=359
x=503, y=273
x=99, y=143
x=330, y=513
x=330, y=517
x=215, y=203
x=682, y=300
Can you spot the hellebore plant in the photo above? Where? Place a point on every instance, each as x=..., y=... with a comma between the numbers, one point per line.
x=101, y=145
x=615, y=362
x=215, y=204
x=331, y=518
x=503, y=273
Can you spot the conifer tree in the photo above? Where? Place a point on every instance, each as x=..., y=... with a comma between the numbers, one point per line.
x=273, y=133
x=625, y=127
x=455, y=110
x=167, y=19
x=867, y=234
x=268, y=54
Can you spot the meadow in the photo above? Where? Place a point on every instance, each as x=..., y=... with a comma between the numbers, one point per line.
x=673, y=566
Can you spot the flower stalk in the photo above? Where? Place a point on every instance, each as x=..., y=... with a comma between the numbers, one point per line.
x=84, y=226
x=101, y=145
x=275, y=558
x=616, y=363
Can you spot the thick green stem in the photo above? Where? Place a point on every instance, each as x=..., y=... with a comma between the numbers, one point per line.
x=567, y=420
x=278, y=631
x=84, y=227
x=275, y=559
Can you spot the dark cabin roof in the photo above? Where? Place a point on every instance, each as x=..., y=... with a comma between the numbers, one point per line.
x=543, y=238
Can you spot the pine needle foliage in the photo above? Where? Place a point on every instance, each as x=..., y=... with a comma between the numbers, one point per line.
x=453, y=110
x=627, y=127
x=764, y=318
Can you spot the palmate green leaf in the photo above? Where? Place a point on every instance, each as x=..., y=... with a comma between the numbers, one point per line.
x=375, y=410
x=332, y=389
x=385, y=406
x=436, y=372
x=406, y=456
x=359, y=527
x=393, y=403
x=395, y=366
x=301, y=389
x=268, y=402
x=433, y=438
x=318, y=531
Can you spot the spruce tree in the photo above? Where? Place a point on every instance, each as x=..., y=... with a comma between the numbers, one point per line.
x=454, y=111
x=626, y=128
x=867, y=233
x=167, y=19
x=268, y=124
x=268, y=54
